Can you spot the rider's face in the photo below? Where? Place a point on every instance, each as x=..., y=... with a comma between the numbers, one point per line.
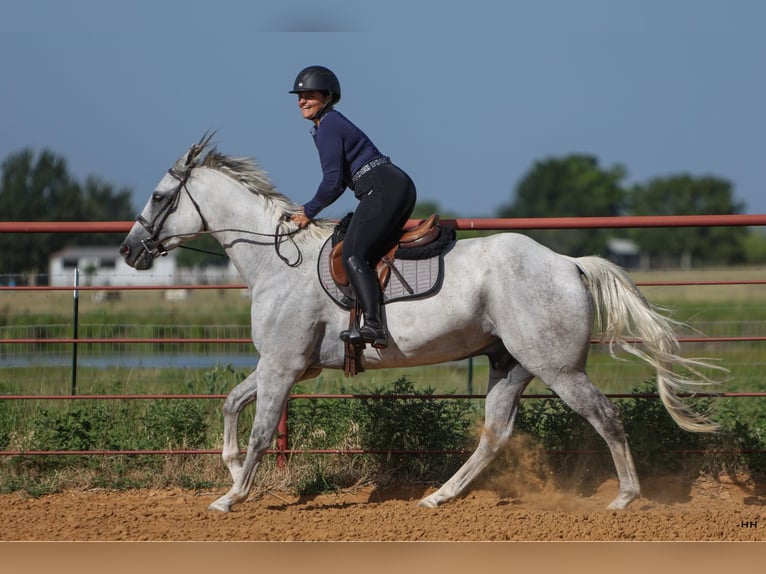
x=311, y=103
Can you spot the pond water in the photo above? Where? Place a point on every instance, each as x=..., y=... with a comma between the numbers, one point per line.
x=147, y=360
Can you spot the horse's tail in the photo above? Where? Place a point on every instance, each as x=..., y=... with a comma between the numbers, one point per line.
x=625, y=317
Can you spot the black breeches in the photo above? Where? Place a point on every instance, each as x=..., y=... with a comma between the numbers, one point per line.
x=386, y=200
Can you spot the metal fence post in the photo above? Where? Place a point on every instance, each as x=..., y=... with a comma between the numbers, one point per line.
x=75, y=329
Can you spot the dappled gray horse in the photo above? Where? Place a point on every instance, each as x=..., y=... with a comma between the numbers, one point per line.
x=529, y=310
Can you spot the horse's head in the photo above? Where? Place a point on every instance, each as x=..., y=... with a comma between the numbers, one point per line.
x=254, y=212
x=170, y=217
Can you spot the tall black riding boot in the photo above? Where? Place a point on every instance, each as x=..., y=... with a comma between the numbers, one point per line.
x=367, y=292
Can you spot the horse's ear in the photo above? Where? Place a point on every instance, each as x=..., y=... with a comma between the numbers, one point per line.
x=206, y=138
x=197, y=148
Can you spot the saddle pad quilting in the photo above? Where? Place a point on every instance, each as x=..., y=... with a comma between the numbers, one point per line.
x=422, y=275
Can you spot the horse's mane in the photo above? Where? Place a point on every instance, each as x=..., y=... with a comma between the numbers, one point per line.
x=247, y=172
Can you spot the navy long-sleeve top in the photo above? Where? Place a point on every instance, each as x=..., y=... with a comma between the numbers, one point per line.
x=343, y=148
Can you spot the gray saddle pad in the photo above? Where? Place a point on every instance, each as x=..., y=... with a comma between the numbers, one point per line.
x=424, y=276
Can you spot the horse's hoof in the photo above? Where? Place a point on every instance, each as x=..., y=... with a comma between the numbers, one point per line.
x=428, y=502
x=220, y=505
x=621, y=501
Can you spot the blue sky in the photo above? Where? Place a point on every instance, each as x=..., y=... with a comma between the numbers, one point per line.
x=466, y=96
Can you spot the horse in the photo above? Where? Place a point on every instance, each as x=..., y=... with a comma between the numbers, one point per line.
x=529, y=310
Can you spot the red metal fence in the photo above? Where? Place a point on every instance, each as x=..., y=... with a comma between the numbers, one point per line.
x=282, y=438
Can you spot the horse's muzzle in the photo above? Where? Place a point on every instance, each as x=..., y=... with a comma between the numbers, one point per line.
x=143, y=260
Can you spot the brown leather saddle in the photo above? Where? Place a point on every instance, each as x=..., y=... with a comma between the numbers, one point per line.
x=426, y=232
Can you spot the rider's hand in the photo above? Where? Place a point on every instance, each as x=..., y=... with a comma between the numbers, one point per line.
x=300, y=219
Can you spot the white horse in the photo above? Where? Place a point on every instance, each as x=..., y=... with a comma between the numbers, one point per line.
x=529, y=310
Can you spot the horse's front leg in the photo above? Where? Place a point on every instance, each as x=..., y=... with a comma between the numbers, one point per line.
x=273, y=389
x=241, y=396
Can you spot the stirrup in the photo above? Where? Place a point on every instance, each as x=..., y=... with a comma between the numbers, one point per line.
x=378, y=338
x=352, y=336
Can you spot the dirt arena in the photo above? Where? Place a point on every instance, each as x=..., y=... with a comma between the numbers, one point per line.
x=727, y=508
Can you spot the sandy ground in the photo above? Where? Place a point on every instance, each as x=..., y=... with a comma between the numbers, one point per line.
x=723, y=509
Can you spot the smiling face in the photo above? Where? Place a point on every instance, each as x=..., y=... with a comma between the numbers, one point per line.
x=311, y=103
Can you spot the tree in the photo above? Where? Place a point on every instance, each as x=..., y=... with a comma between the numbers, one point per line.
x=572, y=186
x=687, y=195
x=40, y=188
x=755, y=247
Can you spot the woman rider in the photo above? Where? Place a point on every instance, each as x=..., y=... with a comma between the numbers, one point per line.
x=386, y=195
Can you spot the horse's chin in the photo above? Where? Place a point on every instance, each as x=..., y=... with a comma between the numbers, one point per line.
x=142, y=262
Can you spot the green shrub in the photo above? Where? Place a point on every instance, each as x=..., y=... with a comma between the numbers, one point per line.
x=388, y=426
x=175, y=424
x=7, y=420
x=412, y=422
x=744, y=438
x=654, y=437
x=114, y=425
x=560, y=436
x=556, y=426
x=218, y=381
x=325, y=423
x=82, y=426
x=417, y=423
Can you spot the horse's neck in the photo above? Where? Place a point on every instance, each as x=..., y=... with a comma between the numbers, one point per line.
x=244, y=224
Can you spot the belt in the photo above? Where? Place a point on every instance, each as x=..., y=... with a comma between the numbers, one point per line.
x=367, y=167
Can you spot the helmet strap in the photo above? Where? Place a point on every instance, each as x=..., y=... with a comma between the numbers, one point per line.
x=328, y=105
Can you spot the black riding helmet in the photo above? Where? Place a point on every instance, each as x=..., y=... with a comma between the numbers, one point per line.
x=320, y=79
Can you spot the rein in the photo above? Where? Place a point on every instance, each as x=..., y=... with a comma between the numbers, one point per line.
x=279, y=237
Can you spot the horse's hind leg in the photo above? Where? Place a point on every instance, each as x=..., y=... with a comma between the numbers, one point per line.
x=577, y=391
x=505, y=388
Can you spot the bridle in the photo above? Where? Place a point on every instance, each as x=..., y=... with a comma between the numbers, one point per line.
x=154, y=247
x=153, y=228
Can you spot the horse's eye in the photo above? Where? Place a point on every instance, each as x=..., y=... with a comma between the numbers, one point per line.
x=156, y=197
